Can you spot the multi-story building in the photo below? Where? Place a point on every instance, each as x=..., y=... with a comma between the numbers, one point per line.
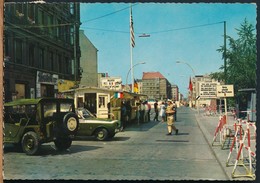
x=155, y=86
x=41, y=48
x=88, y=61
x=175, y=92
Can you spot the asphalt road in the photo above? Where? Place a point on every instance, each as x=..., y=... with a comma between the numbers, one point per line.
x=141, y=152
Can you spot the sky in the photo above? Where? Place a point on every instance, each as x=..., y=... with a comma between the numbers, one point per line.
x=189, y=33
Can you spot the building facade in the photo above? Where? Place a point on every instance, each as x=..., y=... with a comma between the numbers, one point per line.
x=88, y=61
x=175, y=92
x=41, y=47
x=155, y=86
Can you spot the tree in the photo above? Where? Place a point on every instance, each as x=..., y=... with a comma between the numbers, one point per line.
x=240, y=58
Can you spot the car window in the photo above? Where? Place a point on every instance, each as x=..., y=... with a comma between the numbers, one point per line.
x=13, y=114
x=66, y=107
x=49, y=109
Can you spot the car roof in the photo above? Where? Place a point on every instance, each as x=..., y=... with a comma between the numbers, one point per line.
x=32, y=101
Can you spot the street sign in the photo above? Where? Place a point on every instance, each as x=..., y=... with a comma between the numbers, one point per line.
x=198, y=97
x=208, y=89
x=225, y=91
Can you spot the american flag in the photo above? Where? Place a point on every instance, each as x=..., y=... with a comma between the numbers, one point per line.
x=132, y=35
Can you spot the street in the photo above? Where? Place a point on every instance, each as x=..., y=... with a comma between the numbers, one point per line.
x=141, y=152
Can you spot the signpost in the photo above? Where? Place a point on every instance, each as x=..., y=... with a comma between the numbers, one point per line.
x=207, y=89
x=225, y=91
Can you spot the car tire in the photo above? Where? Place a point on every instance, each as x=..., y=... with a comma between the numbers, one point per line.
x=30, y=143
x=101, y=134
x=71, y=123
x=62, y=143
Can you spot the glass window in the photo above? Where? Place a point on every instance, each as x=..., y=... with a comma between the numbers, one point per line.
x=41, y=58
x=49, y=109
x=31, y=54
x=66, y=107
x=101, y=102
x=18, y=51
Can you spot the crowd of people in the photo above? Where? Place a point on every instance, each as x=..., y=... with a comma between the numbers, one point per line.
x=166, y=111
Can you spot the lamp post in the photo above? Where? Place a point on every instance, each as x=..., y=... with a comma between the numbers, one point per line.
x=126, y=82
x=180, y=62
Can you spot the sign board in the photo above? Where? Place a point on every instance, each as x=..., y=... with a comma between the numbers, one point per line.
x=225, y=91
x=208, y=89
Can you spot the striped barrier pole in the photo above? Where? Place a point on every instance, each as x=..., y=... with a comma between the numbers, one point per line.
x=251, y=154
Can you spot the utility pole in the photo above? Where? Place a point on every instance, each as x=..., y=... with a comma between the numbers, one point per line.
x=225, y=49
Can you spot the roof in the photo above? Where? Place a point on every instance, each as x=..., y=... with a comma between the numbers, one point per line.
x=23, y=101
x=32, y=101
x=152, y=75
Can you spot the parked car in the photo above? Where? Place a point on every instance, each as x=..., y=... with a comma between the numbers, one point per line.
x=102, y=129
x=28, y=123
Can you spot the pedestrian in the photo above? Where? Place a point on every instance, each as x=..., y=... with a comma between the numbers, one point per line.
x=162, y=111
x=138, y=112
x=123, y=115
x=145, y=111
x=175, y=109
x=156, y=110
x=141, y=111
x=170, y=118
x=149, y=110
x=128, y=111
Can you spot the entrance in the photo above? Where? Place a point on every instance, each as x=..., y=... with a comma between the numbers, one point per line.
x=47, y=90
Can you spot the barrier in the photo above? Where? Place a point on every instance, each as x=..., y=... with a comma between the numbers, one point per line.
x=220, y=130
x=251, y=154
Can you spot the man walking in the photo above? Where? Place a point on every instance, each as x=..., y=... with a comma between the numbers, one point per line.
x=156, y=110
x=170, y=118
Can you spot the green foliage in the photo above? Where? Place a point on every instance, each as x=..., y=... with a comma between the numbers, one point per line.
x=240, y=58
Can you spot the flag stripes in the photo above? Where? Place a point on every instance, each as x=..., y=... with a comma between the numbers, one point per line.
x=132, y=35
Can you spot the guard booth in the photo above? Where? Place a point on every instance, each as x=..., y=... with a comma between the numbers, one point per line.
x=104, y=103
x=246, y=104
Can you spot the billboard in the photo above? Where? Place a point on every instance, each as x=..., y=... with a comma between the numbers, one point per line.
x=208, y=89
x=225, y=91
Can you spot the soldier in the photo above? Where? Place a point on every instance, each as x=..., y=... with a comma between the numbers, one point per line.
x=170, y=118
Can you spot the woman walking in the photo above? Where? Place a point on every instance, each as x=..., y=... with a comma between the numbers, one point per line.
x=162, y=111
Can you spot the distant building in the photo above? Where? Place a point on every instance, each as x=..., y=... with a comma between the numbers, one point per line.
x=40, y=42
x=88, y=61
x=175, y=92
x=155, y=86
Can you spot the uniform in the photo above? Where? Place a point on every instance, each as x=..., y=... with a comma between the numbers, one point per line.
x=170, y=118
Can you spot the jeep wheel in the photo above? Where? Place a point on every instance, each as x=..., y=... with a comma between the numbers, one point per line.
x=30, y=143
x=62, y=143
x=101, y=134
x=71, y=123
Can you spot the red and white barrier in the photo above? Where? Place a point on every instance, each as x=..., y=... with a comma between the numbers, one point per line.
x=245, y=145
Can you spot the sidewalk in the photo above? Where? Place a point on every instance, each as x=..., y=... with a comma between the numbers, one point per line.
x=208, y=125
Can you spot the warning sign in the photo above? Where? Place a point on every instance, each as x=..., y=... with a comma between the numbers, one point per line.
x=225, y=91
x=208, y=89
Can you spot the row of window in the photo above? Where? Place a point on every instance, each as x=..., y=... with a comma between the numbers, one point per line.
x=50, y=24
x=36, y=56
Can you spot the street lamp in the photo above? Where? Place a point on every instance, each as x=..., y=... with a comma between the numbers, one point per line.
x=180, y=62
x=126, y=82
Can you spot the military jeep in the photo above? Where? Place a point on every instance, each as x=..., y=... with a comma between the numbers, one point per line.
x=28, y=123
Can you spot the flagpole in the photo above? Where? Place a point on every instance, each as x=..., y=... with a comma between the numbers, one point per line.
x=131, y=48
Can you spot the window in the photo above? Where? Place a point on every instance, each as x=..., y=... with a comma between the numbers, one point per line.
x=66, y=107
x=72, y=8
x=20, y=90
x=51, y=61
x=18, y=51
x=41, y=58
x=50, y=27
x=40, y=17
x=49, y=109
x=31, y=13
x=31, y=54
x=6, y=45
x=59, y=63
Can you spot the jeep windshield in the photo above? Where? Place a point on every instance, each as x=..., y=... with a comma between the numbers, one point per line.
x=13, y=114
